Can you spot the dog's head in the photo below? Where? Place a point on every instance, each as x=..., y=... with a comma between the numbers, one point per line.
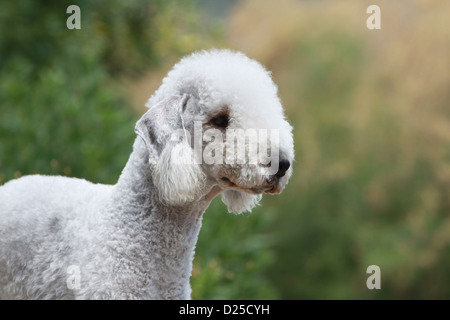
x=217, y=121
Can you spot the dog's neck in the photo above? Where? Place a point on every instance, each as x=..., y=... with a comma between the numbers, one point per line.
x=163, y=237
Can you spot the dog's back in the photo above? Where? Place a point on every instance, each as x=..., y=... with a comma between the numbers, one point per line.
x=42, y=219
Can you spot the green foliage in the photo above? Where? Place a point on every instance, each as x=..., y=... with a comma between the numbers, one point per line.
x=59, y=124
x=119, y=36
x=234, y=252
x=368, y=187
x=59, y=115
x=61, y=112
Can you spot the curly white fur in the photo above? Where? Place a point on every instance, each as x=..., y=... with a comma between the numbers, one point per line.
x=136, y=239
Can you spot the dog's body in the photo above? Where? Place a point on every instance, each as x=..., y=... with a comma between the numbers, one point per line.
x=69, y=238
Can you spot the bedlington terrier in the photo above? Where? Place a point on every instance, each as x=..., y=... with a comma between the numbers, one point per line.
x=67, y=238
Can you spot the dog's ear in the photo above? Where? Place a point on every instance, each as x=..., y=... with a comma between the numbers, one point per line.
x=171, y=158
x=239, y=202
x=156, y=125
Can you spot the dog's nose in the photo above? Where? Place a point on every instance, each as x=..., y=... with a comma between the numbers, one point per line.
x=283, y=166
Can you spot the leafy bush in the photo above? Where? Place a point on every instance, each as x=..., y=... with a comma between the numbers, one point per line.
x=60, y=110
x=233, y=255
x=371, y=126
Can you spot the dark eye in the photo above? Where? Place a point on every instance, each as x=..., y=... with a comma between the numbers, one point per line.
x=220, y=121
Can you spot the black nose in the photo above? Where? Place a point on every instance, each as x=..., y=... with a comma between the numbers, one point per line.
x=283, y=166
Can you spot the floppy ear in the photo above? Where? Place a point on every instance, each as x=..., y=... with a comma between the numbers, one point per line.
x=174, y=173
x=239, y=202
x=160, y=120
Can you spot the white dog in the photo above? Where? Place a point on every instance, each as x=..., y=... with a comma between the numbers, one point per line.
x=67, y=238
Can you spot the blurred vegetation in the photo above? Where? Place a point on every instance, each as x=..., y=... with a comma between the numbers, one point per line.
x=61, y=112
x=371, y=116
x=370, y=111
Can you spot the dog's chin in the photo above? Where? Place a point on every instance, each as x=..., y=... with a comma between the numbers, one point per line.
x=273, y=188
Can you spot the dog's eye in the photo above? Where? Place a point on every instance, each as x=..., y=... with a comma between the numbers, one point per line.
x=220, y=121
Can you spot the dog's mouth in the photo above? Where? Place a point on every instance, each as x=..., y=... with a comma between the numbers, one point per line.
x=267, y=188
x=228, y=181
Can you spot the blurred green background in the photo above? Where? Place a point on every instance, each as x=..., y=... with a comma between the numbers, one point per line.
x=371, y=117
